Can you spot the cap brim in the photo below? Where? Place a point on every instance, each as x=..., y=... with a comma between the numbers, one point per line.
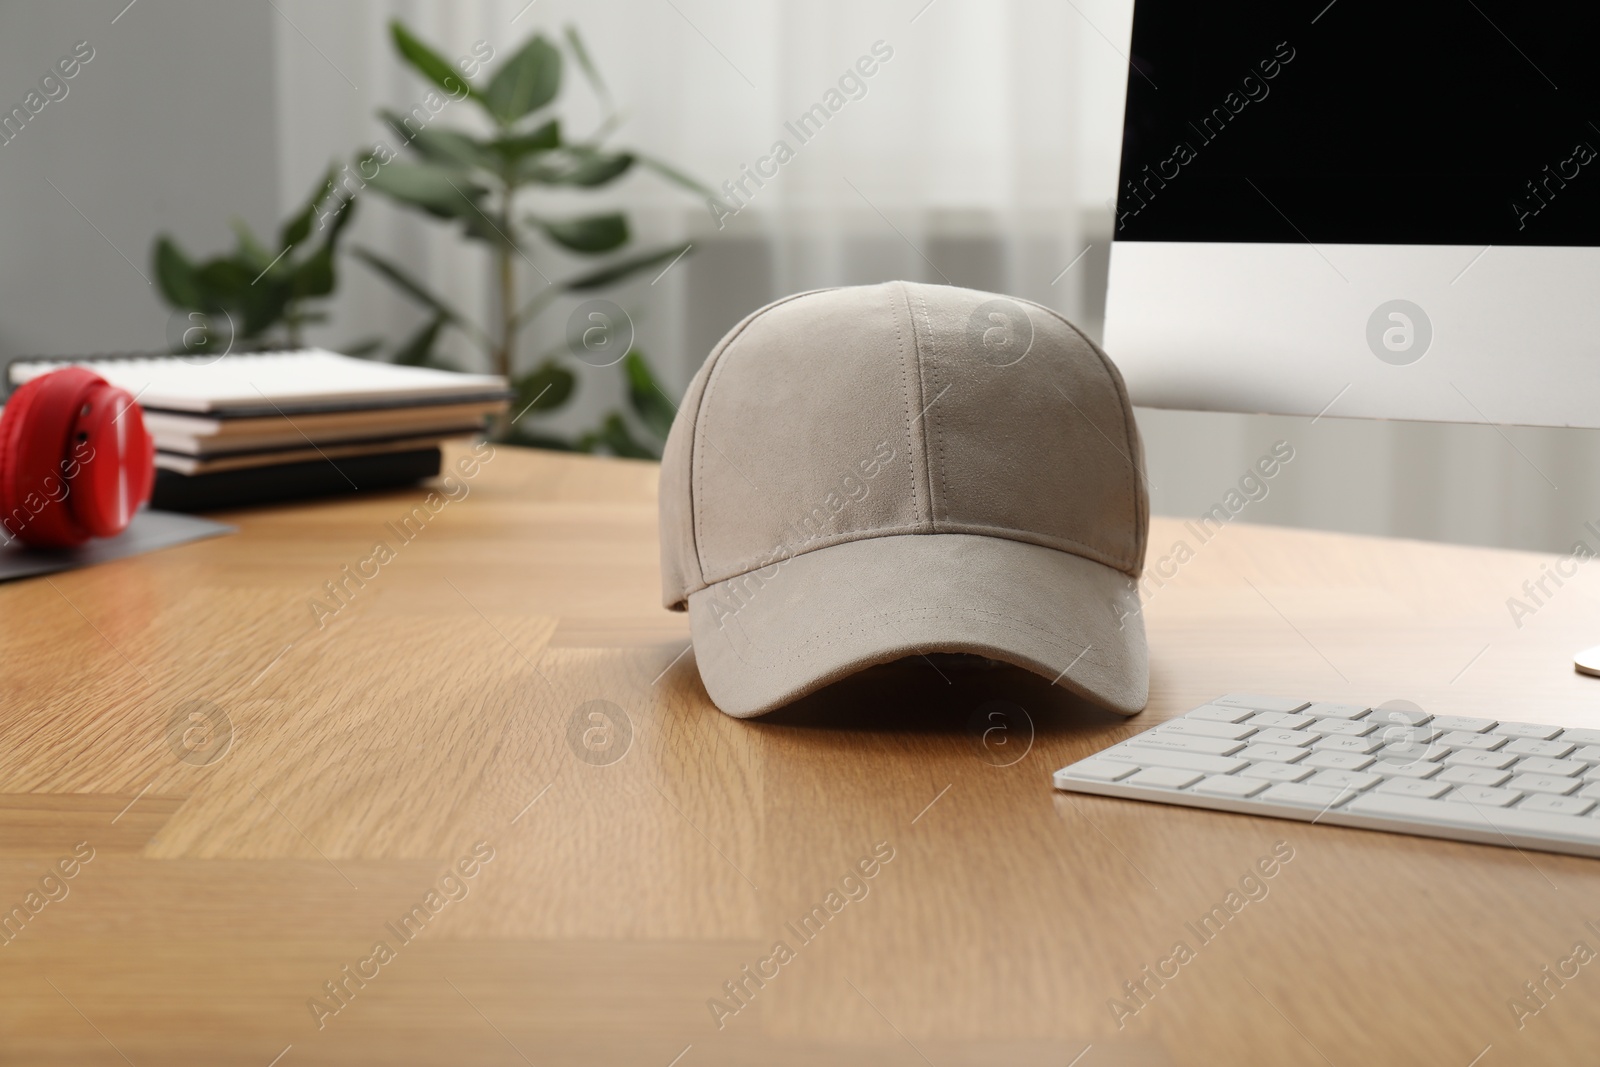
x=772, y=636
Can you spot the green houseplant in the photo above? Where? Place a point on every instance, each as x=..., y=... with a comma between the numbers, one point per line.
x=255, y=296
x=480, y=184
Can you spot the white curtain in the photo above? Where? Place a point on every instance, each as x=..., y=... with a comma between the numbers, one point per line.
x=982, y=151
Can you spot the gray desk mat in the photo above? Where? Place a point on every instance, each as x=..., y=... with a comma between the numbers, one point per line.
x=148, y=531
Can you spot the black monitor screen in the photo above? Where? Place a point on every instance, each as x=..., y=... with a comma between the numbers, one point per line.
x=1471, y=122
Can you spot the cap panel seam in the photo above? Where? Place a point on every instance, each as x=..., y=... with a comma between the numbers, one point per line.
x=714, y=364
x=932, y=363
x=782, y=554
x=1070, y=546
x=905, y=387
x=927, y=459
x=1067, y=545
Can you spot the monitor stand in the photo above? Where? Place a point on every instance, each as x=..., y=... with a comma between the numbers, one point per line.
x=1588, y=661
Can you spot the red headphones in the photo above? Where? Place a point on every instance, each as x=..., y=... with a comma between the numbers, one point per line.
x=75, y=459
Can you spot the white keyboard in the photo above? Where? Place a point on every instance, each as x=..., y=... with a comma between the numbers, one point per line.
x=1518, y=784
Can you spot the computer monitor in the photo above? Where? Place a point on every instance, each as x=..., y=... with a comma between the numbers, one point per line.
x=1361, y=208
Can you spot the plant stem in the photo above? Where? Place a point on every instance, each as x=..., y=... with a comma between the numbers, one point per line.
x=508, y=295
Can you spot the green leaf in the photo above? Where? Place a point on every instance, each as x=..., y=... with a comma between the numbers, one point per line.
x=540, y=139
x=299, y=225
x=615, y=272
x=648, y=400
x=250, y=250
x=363, y=348
x=408, y=285
x=418, y=350
x=440, y=192
x=613, y=436
x=677, y=177
x=450, y=148
x=223, y=283
x=482, y=228
x=254, y=303
x=590, y=71
x=581, y=166
x=341, y=218
x=429, y=63
x=175, y=276
x=526, y=82
x=590, y=234
x=545, y=388
x=313, y=276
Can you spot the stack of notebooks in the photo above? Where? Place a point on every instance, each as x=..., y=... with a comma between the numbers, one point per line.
x=270, y=426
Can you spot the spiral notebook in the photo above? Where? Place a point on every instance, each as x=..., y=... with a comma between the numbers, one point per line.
x=264, y=384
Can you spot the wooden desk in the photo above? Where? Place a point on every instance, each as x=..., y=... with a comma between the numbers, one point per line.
x=373, y=747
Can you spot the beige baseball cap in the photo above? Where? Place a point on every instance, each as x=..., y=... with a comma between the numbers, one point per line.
x=863, y=474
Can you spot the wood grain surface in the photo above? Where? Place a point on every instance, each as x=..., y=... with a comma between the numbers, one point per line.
x=267, y=791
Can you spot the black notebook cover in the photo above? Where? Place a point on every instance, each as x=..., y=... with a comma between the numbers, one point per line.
x=292, y=481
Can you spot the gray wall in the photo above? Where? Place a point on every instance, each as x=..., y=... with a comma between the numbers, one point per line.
x=169, y=128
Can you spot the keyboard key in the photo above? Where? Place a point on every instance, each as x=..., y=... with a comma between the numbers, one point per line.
x=1580, y=736
x=1362, y=745
x=1165, y=778
x=1568, y=768
x=1298, y=738
x=1231, y=731
x=1355, y=780
x=1279, y=719
x=1543, y=783
x=1581, y=829
x=1482, y=795
x=1343, y=727
x=1464, y=739
x=1339, y=711
x=1178, y=761
x=1413, y=753
x=1259, y=703
x=1099, y=770
x=1555, y=805
x=1337, y=761
x=1223, y=785
x=1527, y=746
x=1407, y=735
x=1210, y=746
x=1404, y=768
x=1527, y=729
x=1411, y=787
x=1272, y=753
x=1590, y=791
x=1492, y=760
x=1276, y=772
x=1588, y=753
x=1473, y=776
x=1462, y=722
x=1398, y=717
x=1212, y=713
x=1306, y=796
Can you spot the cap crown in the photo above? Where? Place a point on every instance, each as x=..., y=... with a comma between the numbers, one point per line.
x=898, y=408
